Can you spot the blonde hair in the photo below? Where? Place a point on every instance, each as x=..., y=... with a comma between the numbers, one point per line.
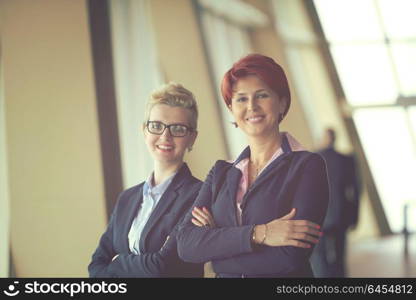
x=174, y=95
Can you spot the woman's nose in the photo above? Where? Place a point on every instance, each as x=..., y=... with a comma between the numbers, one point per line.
x=166, y=134
x=251, y=104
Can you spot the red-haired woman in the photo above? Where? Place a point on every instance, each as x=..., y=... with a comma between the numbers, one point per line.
x=260, y=215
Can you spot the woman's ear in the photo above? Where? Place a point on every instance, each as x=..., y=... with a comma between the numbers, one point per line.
x=144, y=128
x=283, y=105
x=192, y=139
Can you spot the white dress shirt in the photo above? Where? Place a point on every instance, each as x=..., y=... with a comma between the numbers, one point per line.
x=151, y=196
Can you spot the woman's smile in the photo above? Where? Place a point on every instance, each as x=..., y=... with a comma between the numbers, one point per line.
x=255, y=119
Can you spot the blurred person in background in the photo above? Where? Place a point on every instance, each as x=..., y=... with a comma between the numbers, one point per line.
x=328, y=259
x=260, y=215
x=140, y=237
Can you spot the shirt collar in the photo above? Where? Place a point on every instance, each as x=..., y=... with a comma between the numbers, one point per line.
x=289, y=144
x=158, y=189
x=294, y=144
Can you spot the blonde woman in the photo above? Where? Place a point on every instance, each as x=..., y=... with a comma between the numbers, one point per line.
x=140, y=237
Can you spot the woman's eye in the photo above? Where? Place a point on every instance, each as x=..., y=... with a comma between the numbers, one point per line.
x=241, y=99
x=263, y=96
x=156, y=126
x=178, y=129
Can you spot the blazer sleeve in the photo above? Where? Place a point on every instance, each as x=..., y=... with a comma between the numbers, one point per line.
x=104, y=252
x=126, y=264
x=149, y=265
x=162, y=263
x=310, y=200
x=202, y=244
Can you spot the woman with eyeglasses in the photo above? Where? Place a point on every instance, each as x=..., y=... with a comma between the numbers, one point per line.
x=140, y=238
x=260, y=215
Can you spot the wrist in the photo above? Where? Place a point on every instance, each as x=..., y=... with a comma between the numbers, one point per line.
x=259, y=234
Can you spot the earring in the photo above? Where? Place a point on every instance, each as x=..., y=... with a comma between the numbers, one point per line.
x=235, y=124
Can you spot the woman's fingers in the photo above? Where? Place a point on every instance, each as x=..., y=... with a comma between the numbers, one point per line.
x=299, y=244
x=199, y=217
x=197, y=223
x=208, y=214
x=290, y=215
x=206, y=211
x=305, y=237
x=308, y=230
x=203, y=217
x=305, y=223
x=298, y=233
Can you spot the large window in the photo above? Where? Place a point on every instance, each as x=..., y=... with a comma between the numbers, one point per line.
x=225, y=26
x=373, y=46
x=136, y=75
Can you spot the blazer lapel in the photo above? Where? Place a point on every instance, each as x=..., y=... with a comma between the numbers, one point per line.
x=165, y=202
x=277, y=164
x=234, y=175
x=136, y=202
x=272, y=169
x=232, y=184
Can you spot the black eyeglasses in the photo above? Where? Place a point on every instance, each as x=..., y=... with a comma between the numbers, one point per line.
x=176, y=130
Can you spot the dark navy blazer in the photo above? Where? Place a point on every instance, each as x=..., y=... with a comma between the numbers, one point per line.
x=294, y=179
x=159, y=259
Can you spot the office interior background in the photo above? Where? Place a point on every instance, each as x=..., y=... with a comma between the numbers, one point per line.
x=75, y=76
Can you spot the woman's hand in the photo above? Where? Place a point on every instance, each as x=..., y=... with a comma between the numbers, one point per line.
x=202, y=217
x=287, y=232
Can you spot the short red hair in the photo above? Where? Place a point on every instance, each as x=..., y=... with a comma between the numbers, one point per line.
x=263, y=67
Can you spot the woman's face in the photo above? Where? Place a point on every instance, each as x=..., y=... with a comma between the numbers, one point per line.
x=256, y=107
x=166, y=148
